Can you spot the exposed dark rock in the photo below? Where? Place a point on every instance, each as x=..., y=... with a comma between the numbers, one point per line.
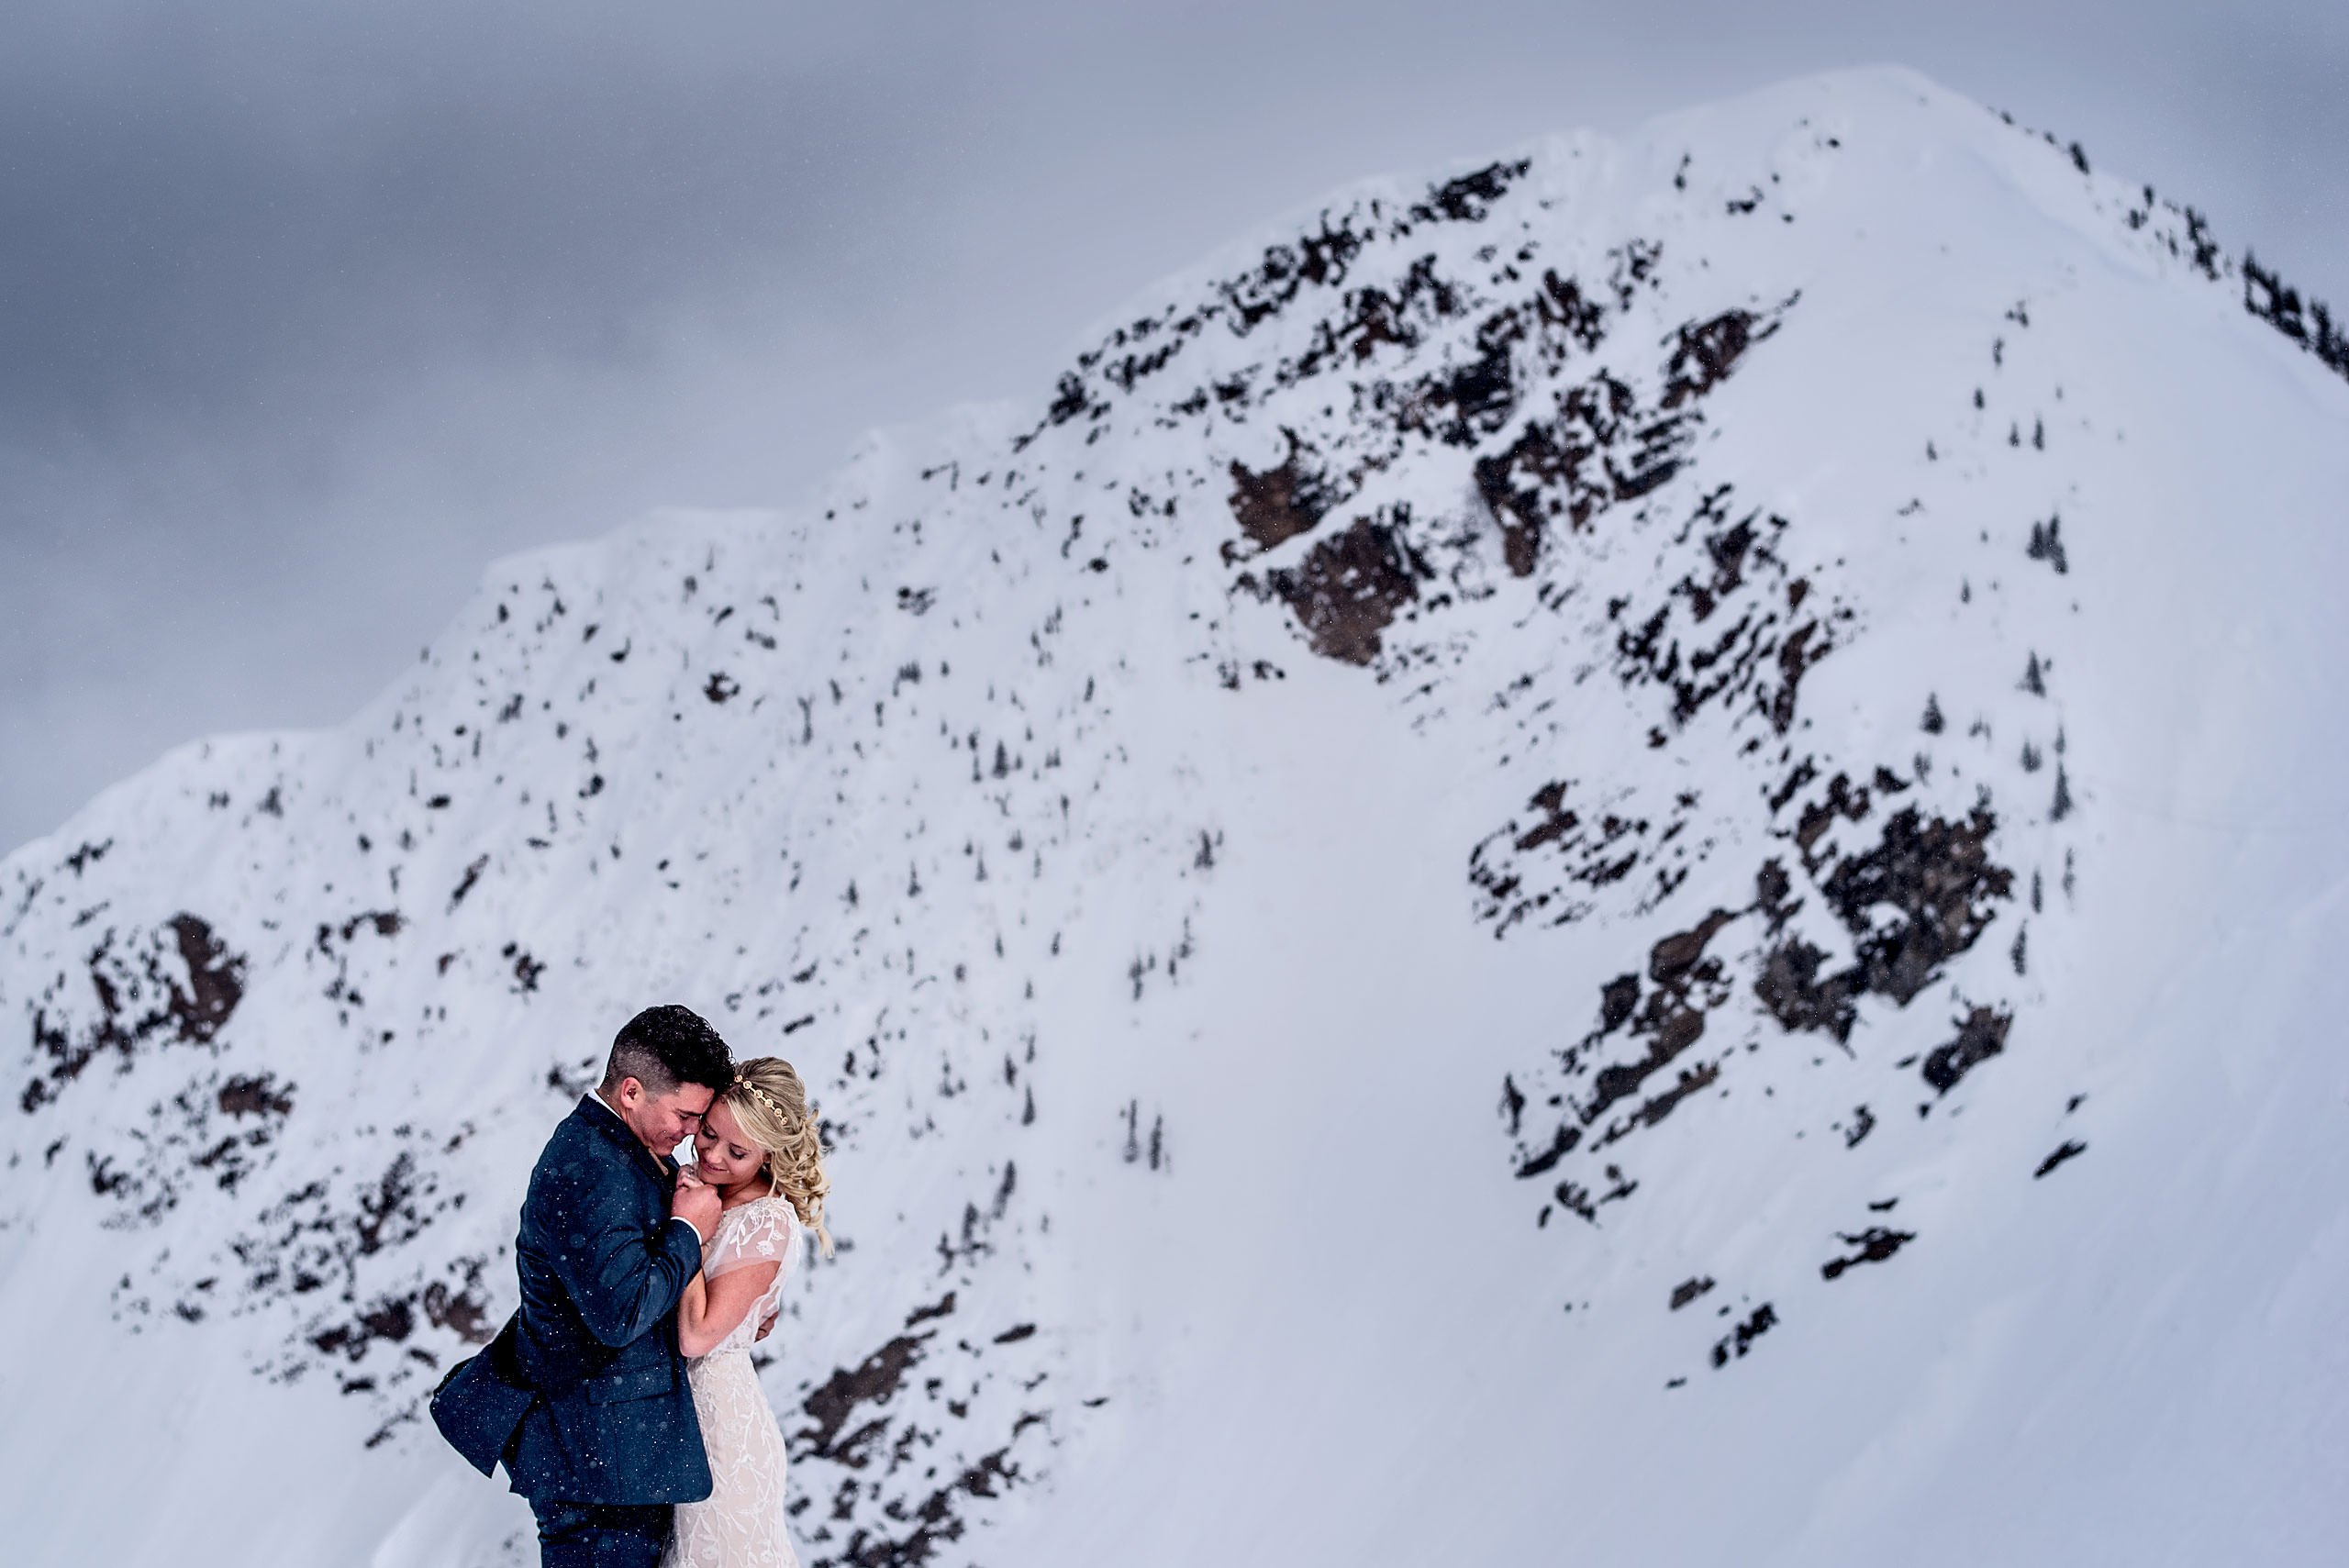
x=143, y=998
x=873, y=1382
x=258, y=1095
x=465, y=884
x=1562, y=1144
x=1791, y=987
x=943, y=1306
x=2064, y=1151
x=934, y=1520
x=216, y=981
x=1938, y=878
x=1615, y=1000
x=1670, y=961
x=1688, y=1290
x=1350, y=587
x=1468, y=198
x=1875, y=1244
x=1980, y=1036
x=1279, y=504
x=1741, y=1339
x=1843, y=801
x=461, y=1312
x=1935, y=875
x=1595, y=853
x=1706, y=351
x=1652, y=1111
x=1669, y=1022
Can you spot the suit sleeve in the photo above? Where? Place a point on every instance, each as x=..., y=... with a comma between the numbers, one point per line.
x=622, y=1278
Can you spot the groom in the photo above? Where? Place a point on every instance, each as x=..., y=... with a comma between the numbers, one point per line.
x=583, y=1393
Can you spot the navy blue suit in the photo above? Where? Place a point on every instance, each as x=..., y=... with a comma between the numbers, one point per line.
x=583, y=1395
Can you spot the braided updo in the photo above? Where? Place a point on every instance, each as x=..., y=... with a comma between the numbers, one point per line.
x=769, y=1101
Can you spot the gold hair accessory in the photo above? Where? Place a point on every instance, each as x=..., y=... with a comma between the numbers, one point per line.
x=761, y=1094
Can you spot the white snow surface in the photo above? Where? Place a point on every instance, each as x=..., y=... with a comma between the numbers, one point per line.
x=1200, y=943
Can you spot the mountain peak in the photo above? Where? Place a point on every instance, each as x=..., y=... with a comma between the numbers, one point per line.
x=1519, y=834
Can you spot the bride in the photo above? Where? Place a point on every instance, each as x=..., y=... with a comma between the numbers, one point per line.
x=758, y=1146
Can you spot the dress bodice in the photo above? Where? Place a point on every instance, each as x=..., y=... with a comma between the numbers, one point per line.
x=764, y=1230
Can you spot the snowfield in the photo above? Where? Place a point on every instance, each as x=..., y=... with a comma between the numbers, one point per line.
x=1632, y=856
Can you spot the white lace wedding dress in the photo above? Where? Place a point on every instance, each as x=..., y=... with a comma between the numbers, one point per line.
x=741, y=1524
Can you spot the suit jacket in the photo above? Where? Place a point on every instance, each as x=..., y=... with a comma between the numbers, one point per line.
x=584, y=1393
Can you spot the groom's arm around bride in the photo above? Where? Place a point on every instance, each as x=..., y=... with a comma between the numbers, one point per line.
x=583, y=1393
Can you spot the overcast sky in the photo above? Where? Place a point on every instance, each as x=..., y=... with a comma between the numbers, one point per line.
x=308, y=310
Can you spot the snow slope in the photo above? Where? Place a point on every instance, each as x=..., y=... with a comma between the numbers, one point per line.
x=1630, y=857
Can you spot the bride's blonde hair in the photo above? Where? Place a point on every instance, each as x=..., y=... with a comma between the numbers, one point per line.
x=769, y=1101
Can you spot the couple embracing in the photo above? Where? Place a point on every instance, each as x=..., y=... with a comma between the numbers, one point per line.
x=621, y=1397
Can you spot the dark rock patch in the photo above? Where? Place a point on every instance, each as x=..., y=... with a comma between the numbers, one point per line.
x=1279, y=504
x=176, y=984
x=216, y=981
x=1470, y=197
x=935, y=1522
x=1875, y=1244
x=1689, y=1289
x=1791, y=987
x=1561, y=1145
x=1843, y=800
x=1350, y=587
x=1595, y=852
x=466, y=884
x=1653, y=1110
x=461, y=1311
x=1980, y=1036
x=873, y=1381
x=1321, y=258
x=2069, y=1148
x=1705, y=353
x=1671, y=1021
x=1741, y=1339
x=942, y=1308
x=1938, y=878
x=1375, y=317
x=260, y=1096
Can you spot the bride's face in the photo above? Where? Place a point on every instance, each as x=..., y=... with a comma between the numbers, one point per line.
x=724, y=1152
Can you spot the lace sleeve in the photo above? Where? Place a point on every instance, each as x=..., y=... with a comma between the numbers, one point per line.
x=763, y=1232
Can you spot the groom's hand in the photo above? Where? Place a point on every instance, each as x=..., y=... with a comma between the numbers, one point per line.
x=765, y=1328
x=696, y=1204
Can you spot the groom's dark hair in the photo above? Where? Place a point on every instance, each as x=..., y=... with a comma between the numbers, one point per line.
x=662, y=1048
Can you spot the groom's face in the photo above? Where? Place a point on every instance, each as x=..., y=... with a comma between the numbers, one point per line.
x=660, y=1122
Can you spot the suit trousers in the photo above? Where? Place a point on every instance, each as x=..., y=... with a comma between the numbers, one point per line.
x=601, y=1535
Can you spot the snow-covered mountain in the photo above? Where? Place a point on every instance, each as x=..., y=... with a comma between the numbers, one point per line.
x=1629, y=857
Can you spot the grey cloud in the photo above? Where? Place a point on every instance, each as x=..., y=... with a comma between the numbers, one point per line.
x=308, y=311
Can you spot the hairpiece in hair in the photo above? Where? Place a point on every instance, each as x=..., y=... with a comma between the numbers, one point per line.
x=756, y=1092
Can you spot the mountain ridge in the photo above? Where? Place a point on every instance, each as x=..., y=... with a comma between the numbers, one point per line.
x=1493, y=486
